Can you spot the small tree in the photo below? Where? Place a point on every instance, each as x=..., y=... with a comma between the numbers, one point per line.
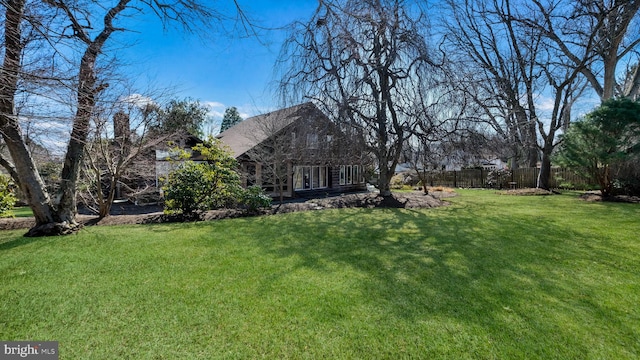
x=230, y=118
x=604, y=140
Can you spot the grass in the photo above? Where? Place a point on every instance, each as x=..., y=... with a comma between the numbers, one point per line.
x=490, y=277
x=21, y=211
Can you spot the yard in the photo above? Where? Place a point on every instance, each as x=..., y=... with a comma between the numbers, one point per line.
x=491, y=276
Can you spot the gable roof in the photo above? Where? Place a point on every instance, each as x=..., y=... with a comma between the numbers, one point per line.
x=251, y=132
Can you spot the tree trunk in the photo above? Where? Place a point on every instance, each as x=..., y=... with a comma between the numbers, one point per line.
x=544, y=177
x=423, y=180
x=30, y=182
x=67, y=209
x=384, y=182
x=107, y=203
x=604, y=180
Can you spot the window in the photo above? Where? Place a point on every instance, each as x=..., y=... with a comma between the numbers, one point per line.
x=323, y=177
x=312, y=141
x=298, y=183
x=351, y=174
x=315, y=177
x=310, y=177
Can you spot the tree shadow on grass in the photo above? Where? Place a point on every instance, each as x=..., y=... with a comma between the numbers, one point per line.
x=18, y=241
x=509, y=275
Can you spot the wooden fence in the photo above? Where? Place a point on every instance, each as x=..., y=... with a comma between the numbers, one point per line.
x=518, y=179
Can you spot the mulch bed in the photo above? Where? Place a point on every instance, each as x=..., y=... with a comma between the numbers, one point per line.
x=131, y=214
x=526, y=192
x=596, y=196
x=588, y=196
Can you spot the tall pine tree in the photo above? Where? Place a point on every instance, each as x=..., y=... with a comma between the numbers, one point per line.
x=231, y=117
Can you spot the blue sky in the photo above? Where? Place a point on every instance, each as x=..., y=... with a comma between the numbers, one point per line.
x=217, y=70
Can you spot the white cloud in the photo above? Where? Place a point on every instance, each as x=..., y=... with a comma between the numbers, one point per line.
x=137, y=100
x=545, y=103
x=214, y=104
x=216, y=109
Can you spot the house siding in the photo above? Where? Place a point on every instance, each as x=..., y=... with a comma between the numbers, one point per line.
x=301, y=136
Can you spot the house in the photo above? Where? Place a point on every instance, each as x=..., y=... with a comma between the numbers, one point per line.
x=296, y=152
x=167, y=156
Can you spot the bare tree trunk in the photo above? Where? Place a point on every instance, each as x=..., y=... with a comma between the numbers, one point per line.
x=67, y=206
x=544, y=175
x=29, y=180
x=87, y=91
x=10, y=168
x=105, y=205
x=384, y=182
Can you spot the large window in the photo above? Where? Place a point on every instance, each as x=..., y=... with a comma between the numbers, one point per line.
x=310, y=177
x=350, y=174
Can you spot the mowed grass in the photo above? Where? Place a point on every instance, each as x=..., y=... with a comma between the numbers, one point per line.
x=489, y=277
x=22, y=211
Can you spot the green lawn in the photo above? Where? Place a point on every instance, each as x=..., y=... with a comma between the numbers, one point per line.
x=22, y=211
x=490, y=277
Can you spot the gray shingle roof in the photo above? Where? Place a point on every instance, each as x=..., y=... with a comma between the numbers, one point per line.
x=245, y=135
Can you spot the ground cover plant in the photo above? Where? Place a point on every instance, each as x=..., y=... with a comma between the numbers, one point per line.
x=490, y=276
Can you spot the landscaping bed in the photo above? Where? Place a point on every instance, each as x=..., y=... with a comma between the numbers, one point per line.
x=123, y=214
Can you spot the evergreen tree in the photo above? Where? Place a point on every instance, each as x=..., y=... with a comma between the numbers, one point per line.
x=231, y=117
x=604, y=140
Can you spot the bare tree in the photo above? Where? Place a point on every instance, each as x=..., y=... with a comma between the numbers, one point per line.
x=524, y=68
x=361, y=61
x=118, y=136
x=607, y=30
x=83, y=27
x=119, y=156
x=499, y=72
x=443, y=120
x=270, y=162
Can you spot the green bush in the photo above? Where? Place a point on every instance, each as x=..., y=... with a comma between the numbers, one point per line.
x=196, y=187
x=254, y=198
x=7, y=198
x=397, y=182
x=606, y=140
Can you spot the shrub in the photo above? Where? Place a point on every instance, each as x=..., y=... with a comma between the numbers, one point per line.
x=254, y=198
x=397, y=182
x=7, y=198
x=606, y=140
x=195, y=187
x=497, y=177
